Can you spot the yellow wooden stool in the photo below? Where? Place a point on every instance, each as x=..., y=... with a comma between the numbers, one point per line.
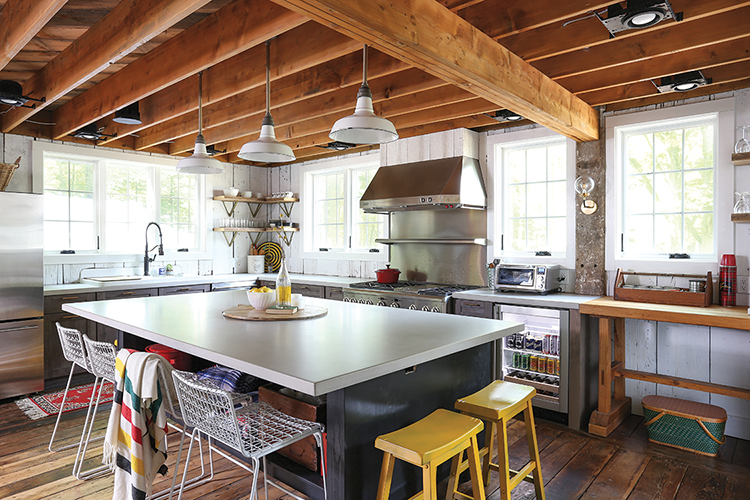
x=428, y=443
x=497, y=403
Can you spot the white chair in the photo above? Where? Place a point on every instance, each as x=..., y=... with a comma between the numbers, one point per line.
x=74, y=351
x=102, y=358
x=255, y=430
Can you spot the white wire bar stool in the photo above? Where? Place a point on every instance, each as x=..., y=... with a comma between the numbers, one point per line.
x=74, y=351
x=255, y=429
x=102, y=359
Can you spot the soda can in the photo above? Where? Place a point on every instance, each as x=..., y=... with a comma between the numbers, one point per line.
x=529, y=341
x=538, y=344
x=554, y=345
x=546, y=344
x=520, y=339
x=510, y=341
x=557, y=367
x=525, y=361
x=533, y=363
x=550, y=366
x=516, y=360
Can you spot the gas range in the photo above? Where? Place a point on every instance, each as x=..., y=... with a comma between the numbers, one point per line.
x=416, y=295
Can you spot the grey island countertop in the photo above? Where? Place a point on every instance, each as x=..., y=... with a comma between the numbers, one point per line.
x=353, y=343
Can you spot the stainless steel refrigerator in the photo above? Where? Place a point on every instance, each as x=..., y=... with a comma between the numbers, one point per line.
x=21, y=294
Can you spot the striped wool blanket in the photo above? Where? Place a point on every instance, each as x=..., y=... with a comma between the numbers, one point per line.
x=135, y=445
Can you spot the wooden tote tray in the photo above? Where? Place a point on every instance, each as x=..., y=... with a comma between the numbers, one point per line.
x=675, y=297
x=248, y=312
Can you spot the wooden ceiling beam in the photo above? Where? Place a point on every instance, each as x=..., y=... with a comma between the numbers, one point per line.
x=677, y=37
x=389, y=87
x=20, y=21
x=426, y=35
x=720, y=75
x=296, y=50
x=225, y=33
x=125, y=28
x=698, y=59
x=341, y=72
x=555, y=39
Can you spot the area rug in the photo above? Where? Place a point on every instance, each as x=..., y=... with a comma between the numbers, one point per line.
x=48, y=404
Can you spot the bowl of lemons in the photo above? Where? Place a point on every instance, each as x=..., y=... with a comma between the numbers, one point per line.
x=261, y=298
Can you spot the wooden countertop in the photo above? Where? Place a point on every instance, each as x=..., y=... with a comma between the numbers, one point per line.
x=713, y=315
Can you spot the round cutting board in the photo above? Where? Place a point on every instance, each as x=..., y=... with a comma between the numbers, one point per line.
x=248, y=312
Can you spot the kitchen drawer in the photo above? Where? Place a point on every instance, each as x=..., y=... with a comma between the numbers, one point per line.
x=334, y=293
x=476, y=308
x=53, y=304
x=309, y=290
x=127, y=294
x=178, y=290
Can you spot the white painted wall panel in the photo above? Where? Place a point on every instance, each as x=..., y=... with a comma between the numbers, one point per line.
x=640, y=354
x=683, y=351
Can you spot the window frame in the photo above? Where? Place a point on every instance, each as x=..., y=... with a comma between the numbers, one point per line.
x=98, y=155
x=497, y=195
x=347, y=165
x=616, y=126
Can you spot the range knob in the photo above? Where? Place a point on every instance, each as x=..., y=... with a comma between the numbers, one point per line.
x=396, y=305
x=347, y=299
x=413, y=307
x=381, y=303
x=426, y=308
x=435, y=309
x=368, y=302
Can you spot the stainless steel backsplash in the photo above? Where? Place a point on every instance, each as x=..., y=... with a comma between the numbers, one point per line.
x=438, y=262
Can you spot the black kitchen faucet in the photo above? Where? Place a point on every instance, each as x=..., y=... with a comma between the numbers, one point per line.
x=146, y=259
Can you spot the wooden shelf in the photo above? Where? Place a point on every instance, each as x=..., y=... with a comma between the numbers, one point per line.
x=268, y=201
x=280, y=231
x=741, y=159
x=740, y=217
x=254, y=204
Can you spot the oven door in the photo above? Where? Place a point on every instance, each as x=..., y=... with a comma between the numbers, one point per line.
x=515, y=277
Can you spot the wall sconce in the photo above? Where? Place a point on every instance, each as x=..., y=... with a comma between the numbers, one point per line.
x=584, y=185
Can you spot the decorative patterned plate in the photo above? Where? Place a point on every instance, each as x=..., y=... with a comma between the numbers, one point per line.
x=273, y=255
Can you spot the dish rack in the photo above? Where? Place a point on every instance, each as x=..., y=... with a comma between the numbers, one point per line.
x=664, y=295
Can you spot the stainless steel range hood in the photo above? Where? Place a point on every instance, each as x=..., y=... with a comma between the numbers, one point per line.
x=447, y=183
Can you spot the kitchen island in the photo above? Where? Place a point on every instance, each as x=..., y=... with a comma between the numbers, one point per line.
x=380, y=368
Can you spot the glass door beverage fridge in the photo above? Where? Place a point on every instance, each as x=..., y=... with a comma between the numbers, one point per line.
x=537, y=356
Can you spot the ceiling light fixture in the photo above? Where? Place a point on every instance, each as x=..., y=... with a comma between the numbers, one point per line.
x=638, y=14
x=337, y=145
x=129, y=115
x=266, y=149
x=11, y=93
x=200, y=162
x=683, y=82
x=211, y=150
x=91, y=132
x=505, y=115
x=363, y=127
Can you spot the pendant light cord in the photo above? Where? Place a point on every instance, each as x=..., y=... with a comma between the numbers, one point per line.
x=364, y=65
x=268, y=77
x=200, y=103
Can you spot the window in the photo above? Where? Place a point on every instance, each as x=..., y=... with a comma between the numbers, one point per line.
x=331, y=195
x=530, y=199
x=668, y=188
x=102, y=204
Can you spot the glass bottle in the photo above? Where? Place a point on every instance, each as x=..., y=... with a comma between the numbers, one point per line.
x=283, y=286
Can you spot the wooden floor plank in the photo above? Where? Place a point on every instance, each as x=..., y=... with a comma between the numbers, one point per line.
x=699, y=483
x=737, y=489
x=574, y=479
x=618, y=478
x=660, y=480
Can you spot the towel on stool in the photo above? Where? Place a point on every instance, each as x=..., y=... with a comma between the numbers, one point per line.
x=135, y=445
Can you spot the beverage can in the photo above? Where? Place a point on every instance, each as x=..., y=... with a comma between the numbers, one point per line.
x=554, y=348
x=538, y=343
x=525, y=361
x=557, y=367
x=533, y=363
x=529, y=341
x=551, y=366
x=516, y=360
x=520, y=338
x=546, y=344
x=510, y=341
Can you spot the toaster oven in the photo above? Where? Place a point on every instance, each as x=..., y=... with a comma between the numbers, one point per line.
x=527, y=278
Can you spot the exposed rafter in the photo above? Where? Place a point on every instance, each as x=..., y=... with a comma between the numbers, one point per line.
x=450, y=48
x=20, y=21
x=124, y=29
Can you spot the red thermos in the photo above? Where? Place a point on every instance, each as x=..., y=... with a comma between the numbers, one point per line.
x=728, y=280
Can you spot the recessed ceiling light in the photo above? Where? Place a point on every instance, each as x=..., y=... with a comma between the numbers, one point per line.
x=11, y=93
x=337, y=145
x=129, y=115
x=91, y=133
x=683, y=82
x=637, y=15
x=506, y=115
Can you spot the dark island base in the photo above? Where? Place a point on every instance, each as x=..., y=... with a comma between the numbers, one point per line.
x=359, y=414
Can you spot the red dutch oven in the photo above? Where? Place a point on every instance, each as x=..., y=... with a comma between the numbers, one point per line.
x=387, y=275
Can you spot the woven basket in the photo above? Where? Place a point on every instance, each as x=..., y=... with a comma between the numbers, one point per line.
x=6, y=172
x=688, y=425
